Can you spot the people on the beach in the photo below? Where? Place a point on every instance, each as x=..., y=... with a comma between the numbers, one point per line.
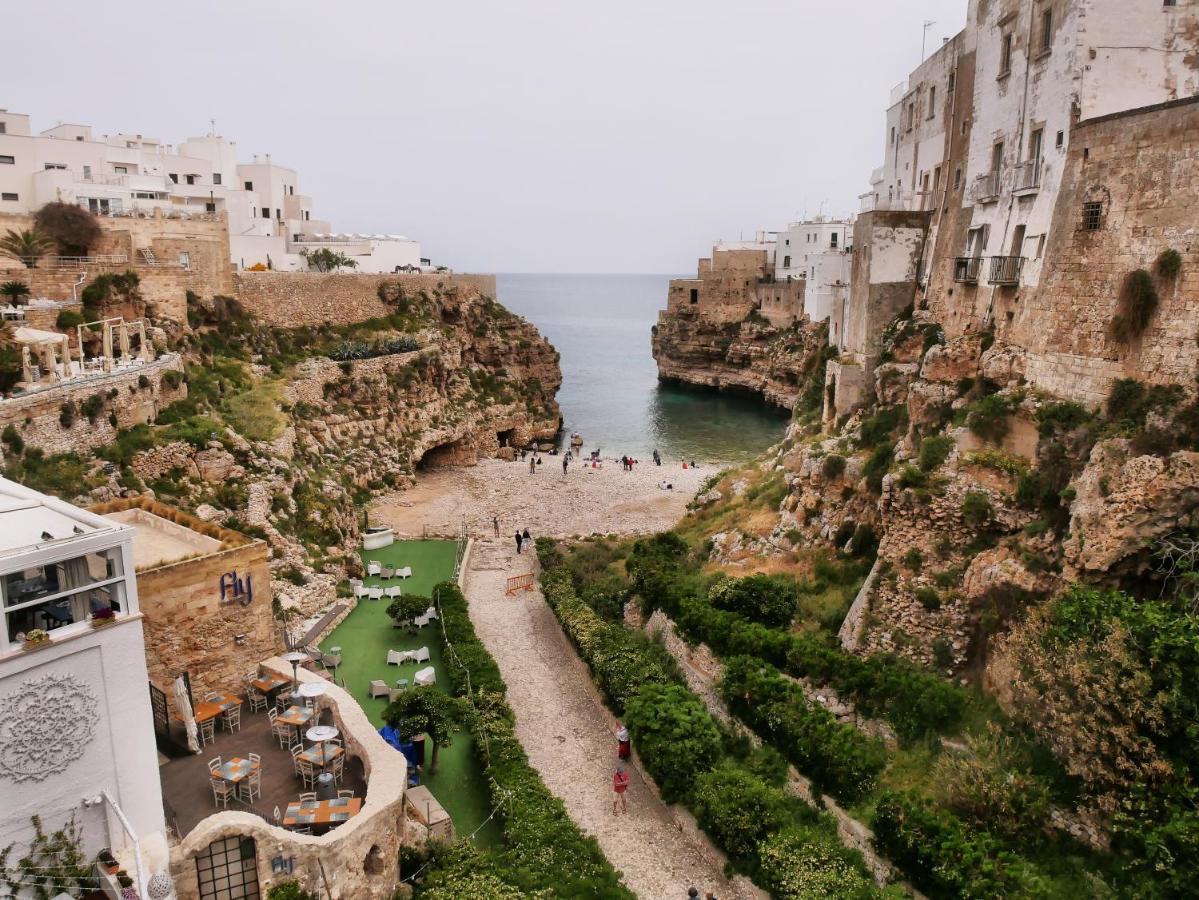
x=532, y=467
x=623, y=744
x=495, y=524
x=520, y=539
x=657, y=457
x=620, y=784
x=565, y=463
x=526, y=537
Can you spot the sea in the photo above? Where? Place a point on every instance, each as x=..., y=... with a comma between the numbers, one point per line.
x=600, y=324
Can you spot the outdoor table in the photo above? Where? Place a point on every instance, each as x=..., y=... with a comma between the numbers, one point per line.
x=268, y=684
x=319, y=756
x=235, y=771
x=210, y=709
x=321, y=812
x=295, y=716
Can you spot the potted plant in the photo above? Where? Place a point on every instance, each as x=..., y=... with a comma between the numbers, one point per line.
x=35, y=638
x=105, y=615
x=107, y=861
x=124, y=880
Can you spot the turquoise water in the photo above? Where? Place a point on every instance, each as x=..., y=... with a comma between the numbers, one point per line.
x=610, y=394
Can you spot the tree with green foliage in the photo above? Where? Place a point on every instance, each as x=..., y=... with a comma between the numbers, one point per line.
x=425, y=710
x=74, y=229
x=289, y=890
x=676, y=734
x=15, y=291
x=325, y=260
x=407, y=607
x=769, y=599
x=26, y=245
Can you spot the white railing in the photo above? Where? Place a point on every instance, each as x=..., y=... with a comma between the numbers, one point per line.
x=79, y=262
x=1028, y=176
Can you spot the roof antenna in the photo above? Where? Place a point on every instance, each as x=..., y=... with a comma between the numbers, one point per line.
x=928, y=23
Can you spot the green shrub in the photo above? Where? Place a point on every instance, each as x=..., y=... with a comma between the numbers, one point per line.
x=912, y=477
x=1137, y=304
x=11, y=438
x=876, y=466
x=928, y=597
x=289, y=890
x=769, y=599
x=1061, y=416
x=942, y=653
x=66, y=414
x=675, y=736
x=1168, y=264
x=68, y=319
x=172, y=378
x=92, y=407
x=837, y=758
x=934, y=450
x=913, y=559
x=976, y=508
x=738, y=810
x=938, y=853
x=989, y=416
x=196, y=430
x=804, y=864
x=833, y=467
x=864, y=541
x=881, y=426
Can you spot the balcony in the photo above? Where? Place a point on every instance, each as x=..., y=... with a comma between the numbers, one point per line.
x=985, y=188
x=966, y=269
x=1028, y=177
x=1005, y=269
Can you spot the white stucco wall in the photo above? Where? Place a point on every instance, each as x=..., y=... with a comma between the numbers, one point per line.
x=894, y=254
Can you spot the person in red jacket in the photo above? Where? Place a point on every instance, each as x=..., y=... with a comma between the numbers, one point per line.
x=620, y=784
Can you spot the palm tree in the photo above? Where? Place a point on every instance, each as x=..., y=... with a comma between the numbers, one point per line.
x=26, y=245
x=14, y=291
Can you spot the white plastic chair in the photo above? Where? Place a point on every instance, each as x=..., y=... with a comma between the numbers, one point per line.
x=376, y=593
x=405, y=572
x=373, y=567
x=392, y=592
x=421, y=655
x=396, y=657
x=421, y=621
x=361, y=590
x=425, y=676
x=431, y=613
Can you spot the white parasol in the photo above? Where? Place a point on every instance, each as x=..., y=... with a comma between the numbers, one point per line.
x=184, y=705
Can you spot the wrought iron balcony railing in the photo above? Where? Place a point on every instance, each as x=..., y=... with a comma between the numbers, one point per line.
x=1006, y=269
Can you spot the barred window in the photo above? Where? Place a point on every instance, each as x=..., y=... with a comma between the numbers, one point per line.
x=1092, y=215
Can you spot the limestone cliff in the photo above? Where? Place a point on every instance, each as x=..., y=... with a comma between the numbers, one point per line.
x=752, y=355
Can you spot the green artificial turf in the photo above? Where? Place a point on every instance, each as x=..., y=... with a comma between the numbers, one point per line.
x=365, y=637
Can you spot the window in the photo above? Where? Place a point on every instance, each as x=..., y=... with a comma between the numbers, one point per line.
x=185, y=259
x=953, y=81
x=305, y=215
x=1035, y=142
x=249, y=185
x=11, y=198
x=62, y=593
x=833, y=240
x=1046, y=30
x=1005, y=55
x=210, y=207
x=1061, y=139
x=87, y=173
x=120, y=170
x=911, y=116
x=786, y=262
x=694, y=295
x=50, y=166
x=997, y=157
x=291, y=190
x=932, y=102
x=190, y=179
x=174, y=177
x=1040, y=246
x=279, y=215
x=957, y=178
x=266, y=212
x=1169, y=2
x=3, y=128
x=216, y=177
x=1092, y=215
x=892, y=134
x=7, y=160
x=965, y=125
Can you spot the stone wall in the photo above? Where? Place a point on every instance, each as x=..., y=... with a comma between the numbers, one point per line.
x=337, y=861
x=187, y=627
x=35, y=414
x=1143, y=167
x=164, y=285
x=316, y=298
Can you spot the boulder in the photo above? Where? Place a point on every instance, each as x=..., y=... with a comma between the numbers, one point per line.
x=1004, y=364
x=998, y=570
x=953, y=361
x=928, y=402
x=216, y=464
x=891, y=381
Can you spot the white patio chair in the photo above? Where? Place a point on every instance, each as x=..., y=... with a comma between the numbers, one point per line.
x=431, y=613
x=379, y=689
x=421, y=655
x=421, y=621
x=392, y=592
x=373, y=567
x=361, y=590
x=405, y=572
x=425, y=676
x=376, y=593
x=396, y=657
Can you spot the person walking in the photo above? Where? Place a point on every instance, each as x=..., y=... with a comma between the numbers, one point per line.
x=532, y=466
x=495, y=524
x=623, y=744
x=520, y=539
x=620, y=784
x=657, y=457
x=526, y=537
x=565, y=463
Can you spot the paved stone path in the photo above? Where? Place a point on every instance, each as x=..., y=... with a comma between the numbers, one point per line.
x=570, y=738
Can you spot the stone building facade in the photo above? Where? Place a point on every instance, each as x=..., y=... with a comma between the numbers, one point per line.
x=195, y=620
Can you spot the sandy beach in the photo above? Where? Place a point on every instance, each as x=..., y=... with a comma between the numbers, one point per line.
x=585, y=501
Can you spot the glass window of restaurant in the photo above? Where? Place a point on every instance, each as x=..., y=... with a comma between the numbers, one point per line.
x=61, y=593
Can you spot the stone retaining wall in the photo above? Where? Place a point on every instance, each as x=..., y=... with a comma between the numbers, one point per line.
x=316, y=298
x=35, y=415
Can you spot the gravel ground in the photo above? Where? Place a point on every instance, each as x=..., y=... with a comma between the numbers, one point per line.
x=583, y=502
x=570, y=737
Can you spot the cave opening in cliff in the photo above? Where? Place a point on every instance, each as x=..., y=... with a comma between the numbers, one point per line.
x=452, y=453
x=505, y=438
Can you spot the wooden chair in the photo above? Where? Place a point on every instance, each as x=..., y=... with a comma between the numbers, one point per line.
x=206, y=731
x=296, y=750
x=255, y=761
x=338, y=768
x=281, y=730
x=345, y=795
x=231, y=718
x=308, y=797
x=308, y=773
x=257, y=700
x=252, y=784
x=222, y=791
x=214, y=766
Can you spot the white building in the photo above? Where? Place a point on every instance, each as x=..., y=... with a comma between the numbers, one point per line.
x=76, y=728
x=270, y=221
x=818, y=252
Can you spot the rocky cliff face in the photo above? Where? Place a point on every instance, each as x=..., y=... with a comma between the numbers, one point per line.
x=752, y=355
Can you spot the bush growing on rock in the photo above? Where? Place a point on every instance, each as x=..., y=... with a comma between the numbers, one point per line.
x=833, y=467
x=934, y=450
x=803, y=864
x=738, y=810
x=989, y=417
x=976, y=508
x=676, y=736
x=769, y=599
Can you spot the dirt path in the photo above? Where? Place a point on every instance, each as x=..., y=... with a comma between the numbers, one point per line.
x=569, y=737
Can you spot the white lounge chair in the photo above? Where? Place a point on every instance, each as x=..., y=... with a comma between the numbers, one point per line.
x=405, y=572
x=375, y=593
x=373, y=567
x=431, y=613
x=421, y=655
x=401, y=623
x=361, y=590
x=421, y=621
x=396, y=657
x=425, y=676
x=392, y=592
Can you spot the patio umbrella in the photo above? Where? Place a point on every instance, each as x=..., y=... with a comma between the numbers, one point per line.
x=184, y=705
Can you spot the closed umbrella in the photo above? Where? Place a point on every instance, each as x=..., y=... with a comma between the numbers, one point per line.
x=184, y=705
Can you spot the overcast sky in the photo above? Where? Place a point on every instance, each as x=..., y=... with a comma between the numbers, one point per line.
x=506, y=135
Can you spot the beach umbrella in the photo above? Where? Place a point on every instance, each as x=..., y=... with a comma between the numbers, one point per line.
x=184, y=705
